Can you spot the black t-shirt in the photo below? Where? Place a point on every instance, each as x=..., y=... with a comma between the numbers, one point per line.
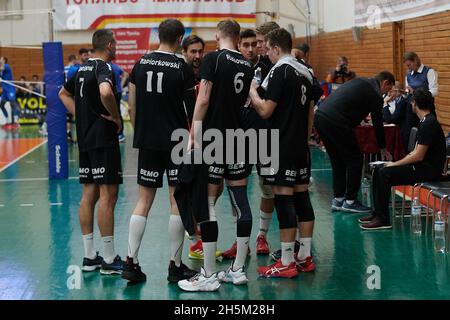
x=430, y=134
x=231, y=76
x=162, y=81
x=292, y=93
x=352, y=103
x=93, y=131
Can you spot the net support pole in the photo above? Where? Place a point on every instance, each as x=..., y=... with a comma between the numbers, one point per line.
x=58, y=162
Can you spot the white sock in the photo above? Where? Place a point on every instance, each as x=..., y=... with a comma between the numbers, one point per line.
x=108, y=249
x=88, y=241
x=264, y=222
x=305, y=249
x=297, y=236
x=287, y=253
x=212, y=211
x=350, y=201
x=136, y=232
x=340, y=199
x=242, y=251
x=209, y=251
x=176, y=235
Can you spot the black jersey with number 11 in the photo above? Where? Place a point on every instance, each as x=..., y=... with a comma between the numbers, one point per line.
x=162, y=80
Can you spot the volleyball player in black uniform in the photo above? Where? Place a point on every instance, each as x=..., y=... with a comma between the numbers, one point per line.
x=224, y=88
x=160, y=83
x=90, y=95
x=286, y=106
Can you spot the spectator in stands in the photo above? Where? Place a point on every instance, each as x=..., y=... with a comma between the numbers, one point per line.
x=36, y=86
x=22, y=94
x=418, y=76
x=342, y=73
x=425, y=163
x=72, y=61
x=395, y=111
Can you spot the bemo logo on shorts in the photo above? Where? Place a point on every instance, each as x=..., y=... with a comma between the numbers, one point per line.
x=84, y=170
x=149, y=174
x=98, y=170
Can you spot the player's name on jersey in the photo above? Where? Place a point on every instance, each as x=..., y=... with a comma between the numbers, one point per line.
x=160, y=63
x=86, y=68
x=238, y=61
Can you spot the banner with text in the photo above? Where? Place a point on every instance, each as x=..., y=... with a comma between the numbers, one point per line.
x=372, y=13
x=132, y=44
x=115, y=14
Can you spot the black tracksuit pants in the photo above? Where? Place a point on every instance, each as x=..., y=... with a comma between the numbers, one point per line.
x=386, y=178
x=345, y=156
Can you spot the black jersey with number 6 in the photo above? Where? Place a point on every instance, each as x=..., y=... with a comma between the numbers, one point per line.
x=162, y=80
x=292, y=93
x=231, y=76
x=93, y=131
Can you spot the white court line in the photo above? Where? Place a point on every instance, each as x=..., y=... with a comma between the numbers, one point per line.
x=56, y=204
x=27, y=205
x=2, y=205
x=46, y=179
x=23, y=156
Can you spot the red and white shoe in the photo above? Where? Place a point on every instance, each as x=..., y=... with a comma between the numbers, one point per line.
x=306, y=265
x=196, y=251
x=262, y=246
x=278, y=270
x=231, y=253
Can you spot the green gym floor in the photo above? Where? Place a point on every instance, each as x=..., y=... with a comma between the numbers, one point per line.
x=40, y=239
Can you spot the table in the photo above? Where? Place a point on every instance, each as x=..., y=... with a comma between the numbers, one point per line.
x=368, y=141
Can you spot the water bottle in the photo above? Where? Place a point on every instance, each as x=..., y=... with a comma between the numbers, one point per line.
x=416, y=217
x=365, y=190
x=439, y=233
x=258, y=76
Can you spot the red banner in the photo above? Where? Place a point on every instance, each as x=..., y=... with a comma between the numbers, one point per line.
x=132, y=44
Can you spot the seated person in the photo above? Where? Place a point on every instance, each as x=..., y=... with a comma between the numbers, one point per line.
x=341, y=74
x=425, y=163
x=395, y=112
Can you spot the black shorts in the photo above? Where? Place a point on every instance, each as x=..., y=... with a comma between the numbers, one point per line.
x=234, y=172
x=101, y=166
x=291, y=173
x=152, y=165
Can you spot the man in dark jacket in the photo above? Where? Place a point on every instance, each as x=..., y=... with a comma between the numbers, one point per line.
x=335, y=120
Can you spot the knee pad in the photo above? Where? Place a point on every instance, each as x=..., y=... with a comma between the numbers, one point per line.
x=303, y=207
x=265, y=190
x=286, y=212
x=210, y=231
x=239, y=201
